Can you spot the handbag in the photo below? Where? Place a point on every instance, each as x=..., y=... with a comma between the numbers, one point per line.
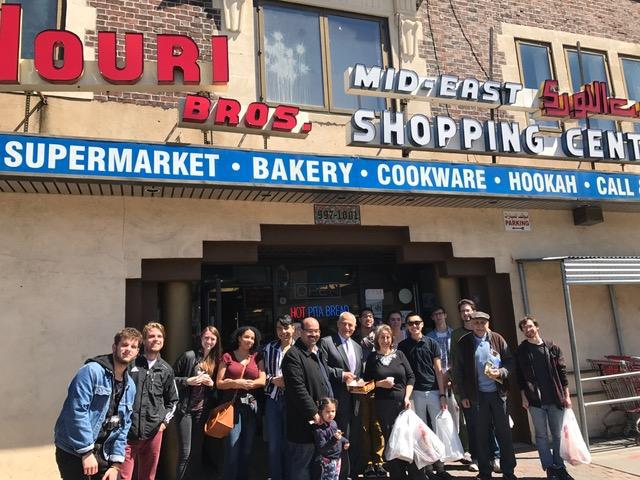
x=221, y=418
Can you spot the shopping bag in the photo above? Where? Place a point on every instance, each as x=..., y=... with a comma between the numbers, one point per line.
x=400, y=444
x=446, y=432
x=220, y=421
x=427, y=448
x=572, y=446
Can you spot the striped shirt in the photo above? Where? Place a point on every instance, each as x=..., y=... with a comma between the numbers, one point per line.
x=272, y=358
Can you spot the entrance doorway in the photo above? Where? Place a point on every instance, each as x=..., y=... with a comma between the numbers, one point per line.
x=258, y=294
x=315, y=271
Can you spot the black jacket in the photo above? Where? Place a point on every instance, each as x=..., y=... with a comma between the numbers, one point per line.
x=305, y=385
x=156, y=397
x=185, y=367
x=527, y=376
x=465, y=372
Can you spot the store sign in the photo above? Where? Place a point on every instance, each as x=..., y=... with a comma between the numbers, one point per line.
x=592, y=101
x=59, y=63
x=316, y=290
x=317, y=311
x=227, y=114
x=441, y=133
x=336, y=214
x=94, y=160
x=516, y=221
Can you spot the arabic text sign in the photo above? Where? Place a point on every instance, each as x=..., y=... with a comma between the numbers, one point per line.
x=35, y=156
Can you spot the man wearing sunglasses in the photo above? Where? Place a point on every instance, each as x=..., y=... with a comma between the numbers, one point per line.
x=428, y=396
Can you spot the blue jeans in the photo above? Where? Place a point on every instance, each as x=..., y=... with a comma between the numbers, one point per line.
x=239, y=443
x=551, y=416
x=301, y=456
x=276, y=422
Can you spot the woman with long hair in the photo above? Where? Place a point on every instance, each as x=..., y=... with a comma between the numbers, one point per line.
x=195, y=372
x=240, y=374
x=394, y=320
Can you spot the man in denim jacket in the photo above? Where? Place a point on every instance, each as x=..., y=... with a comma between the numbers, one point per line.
x=91, y=431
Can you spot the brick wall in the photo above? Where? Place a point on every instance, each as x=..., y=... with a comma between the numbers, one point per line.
x=195, y=18
x=614, y=20
x=454, y=25
x=457, y=23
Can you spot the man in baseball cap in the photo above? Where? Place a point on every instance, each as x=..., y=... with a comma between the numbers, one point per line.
x=481, y=371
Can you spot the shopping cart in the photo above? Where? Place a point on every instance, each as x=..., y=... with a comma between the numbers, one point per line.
x=625, y=383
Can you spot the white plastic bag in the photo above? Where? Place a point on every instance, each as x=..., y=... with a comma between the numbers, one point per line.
x=427, y=448
x=401, y=440
x=446, y=432
x=572, y=446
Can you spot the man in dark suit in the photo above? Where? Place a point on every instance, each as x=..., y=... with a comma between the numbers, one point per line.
x=306, y=381
x=344, y=363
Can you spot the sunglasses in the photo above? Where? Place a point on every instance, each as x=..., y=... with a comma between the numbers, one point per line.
x=413, y=323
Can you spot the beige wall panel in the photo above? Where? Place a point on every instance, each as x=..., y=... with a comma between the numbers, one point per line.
x=62, y=291
x=65, y=260
x=163, y=228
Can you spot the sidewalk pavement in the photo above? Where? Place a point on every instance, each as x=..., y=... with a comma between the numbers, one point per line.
x=608, y=463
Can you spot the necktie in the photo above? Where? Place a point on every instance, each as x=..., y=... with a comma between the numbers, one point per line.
x=351, y=357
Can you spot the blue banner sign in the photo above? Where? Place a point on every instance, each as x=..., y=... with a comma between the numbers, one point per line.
x=72, y=158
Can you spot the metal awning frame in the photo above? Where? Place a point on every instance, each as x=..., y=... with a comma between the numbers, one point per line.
x=608, y=271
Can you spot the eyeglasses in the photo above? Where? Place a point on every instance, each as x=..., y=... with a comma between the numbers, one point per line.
x=412, y=324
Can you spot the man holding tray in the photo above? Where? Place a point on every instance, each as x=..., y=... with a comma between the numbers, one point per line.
x=344, y=365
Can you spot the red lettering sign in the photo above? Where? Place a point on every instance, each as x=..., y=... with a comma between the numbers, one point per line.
x=48, y=45
x=257, y=115
x=297, y=312
x=196, y=109
x=220, y=60
x=177, y=52
x=591, y=100
x=227, y=112
x=10, y=16
x=133, y=66
x=58, y=57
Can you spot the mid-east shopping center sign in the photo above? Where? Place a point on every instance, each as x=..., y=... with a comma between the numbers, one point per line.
x=95, y=160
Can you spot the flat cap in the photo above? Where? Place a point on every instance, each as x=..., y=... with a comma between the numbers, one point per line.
x=480, y=315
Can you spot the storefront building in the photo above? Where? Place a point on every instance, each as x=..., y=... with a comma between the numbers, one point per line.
x=122, y=203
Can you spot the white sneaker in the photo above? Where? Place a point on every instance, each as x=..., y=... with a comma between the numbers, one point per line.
x=466, y=458
x=473, y=467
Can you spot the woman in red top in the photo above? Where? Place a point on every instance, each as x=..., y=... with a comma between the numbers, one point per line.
x=233, y=382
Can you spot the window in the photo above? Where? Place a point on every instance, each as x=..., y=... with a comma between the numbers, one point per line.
x=631, y=70
x=37, y=15
x=535, y=68
x=306, y=51
x=594, y=67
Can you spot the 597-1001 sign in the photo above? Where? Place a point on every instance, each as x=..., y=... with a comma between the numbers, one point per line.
x=336, y=214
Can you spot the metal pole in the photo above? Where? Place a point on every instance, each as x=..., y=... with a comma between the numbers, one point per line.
x=616, y=317
x=574, y=354
x=523, y=288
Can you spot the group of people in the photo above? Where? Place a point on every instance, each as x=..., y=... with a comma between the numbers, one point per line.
x=317, y=427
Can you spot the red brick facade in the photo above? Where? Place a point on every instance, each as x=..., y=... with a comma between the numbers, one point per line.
x=459, y=28
x=195, y=18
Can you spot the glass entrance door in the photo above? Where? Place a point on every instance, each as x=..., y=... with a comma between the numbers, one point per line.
x=237, y=296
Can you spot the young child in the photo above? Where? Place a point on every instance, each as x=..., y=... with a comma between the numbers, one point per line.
x=329, y=440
